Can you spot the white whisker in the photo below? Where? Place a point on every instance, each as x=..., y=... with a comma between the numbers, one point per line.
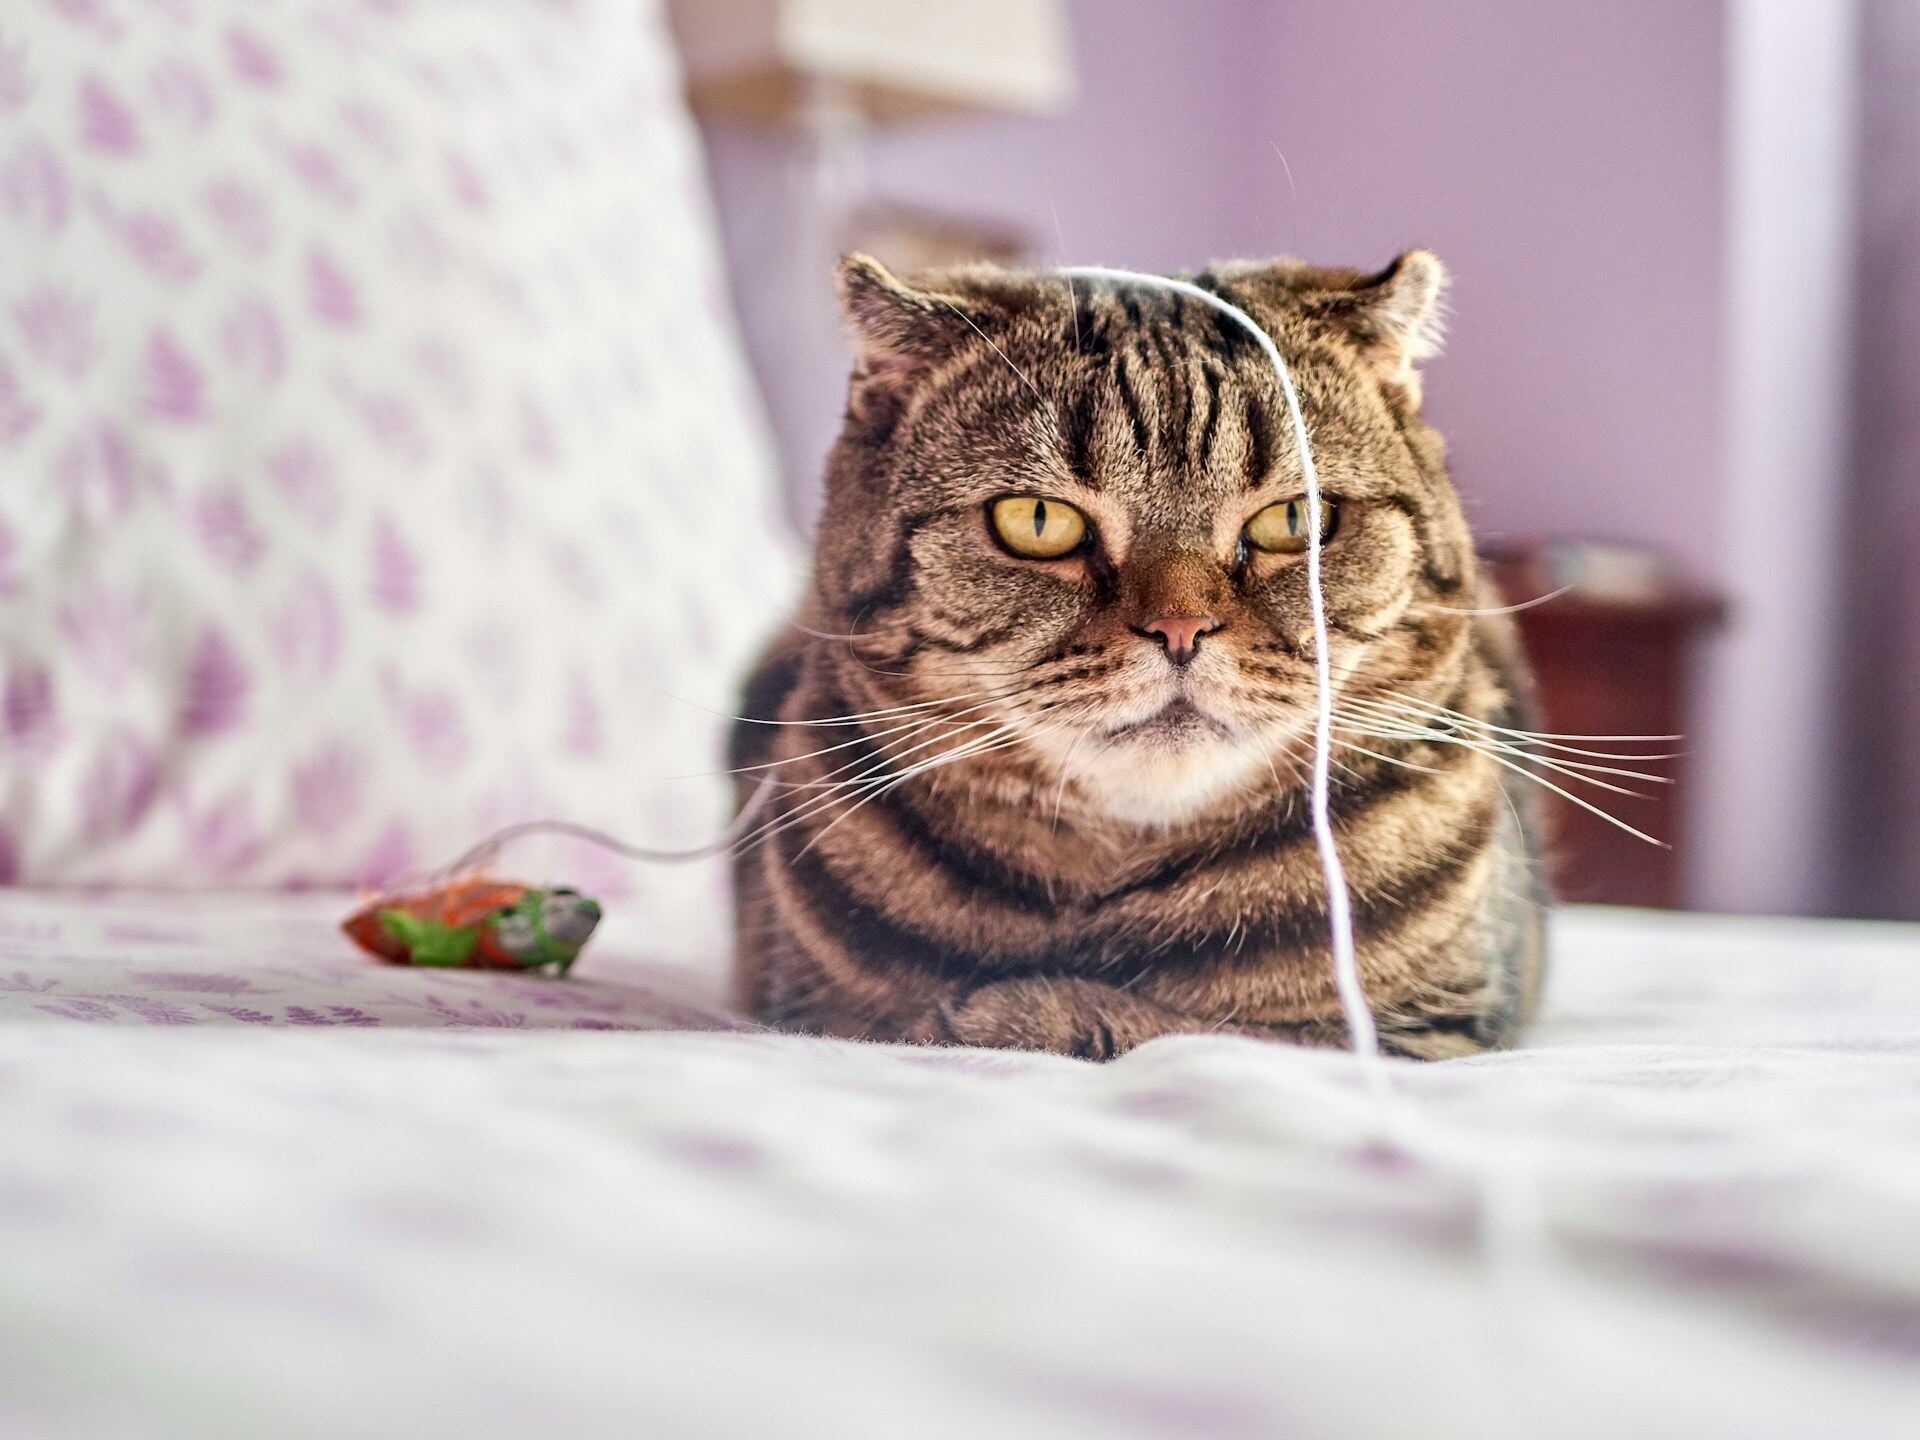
x=1498, y=609
x=1045, y=409
x=1562, y=792
x=1493, y=747
x=1402, y=730
x=1543, y=736
x=983, y=745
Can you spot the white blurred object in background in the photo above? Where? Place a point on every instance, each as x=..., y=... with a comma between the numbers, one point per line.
x=769, y=60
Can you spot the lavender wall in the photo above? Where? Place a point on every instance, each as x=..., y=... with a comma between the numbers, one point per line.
x=1162, y=163
x=1565, y=161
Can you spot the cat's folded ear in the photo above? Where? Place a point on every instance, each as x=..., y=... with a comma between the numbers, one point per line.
x=1396, y=318
x=898, y=330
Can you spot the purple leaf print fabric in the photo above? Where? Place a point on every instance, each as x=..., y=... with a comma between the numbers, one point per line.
x=56, y=325
x=254, y=61
x=118, y=789
x=175, y=383
x=16, y=84
x=254, y=344
x=396, y=572
x=217, y=682
x=306, y=630
x=327, y=789
x=227, y=531
x=106, y=122
x=317, y=339
x=335, y=301
x=27, y=713
x=18, y=416
x=35, y=195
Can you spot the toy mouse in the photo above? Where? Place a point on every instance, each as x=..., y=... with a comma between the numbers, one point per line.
x=478, y=924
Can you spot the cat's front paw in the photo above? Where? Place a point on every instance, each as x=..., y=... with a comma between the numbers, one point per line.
x=1060, y=1014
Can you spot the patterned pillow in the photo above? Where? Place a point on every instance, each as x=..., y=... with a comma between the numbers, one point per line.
x=376, y=462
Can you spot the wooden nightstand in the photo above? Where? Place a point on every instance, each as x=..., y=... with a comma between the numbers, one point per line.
x=1622, y=666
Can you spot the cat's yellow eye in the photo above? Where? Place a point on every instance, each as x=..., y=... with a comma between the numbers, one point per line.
x=1282, y=529
x=1038, y=528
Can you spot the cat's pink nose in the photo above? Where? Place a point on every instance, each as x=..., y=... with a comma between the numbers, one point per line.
x=1181, y=634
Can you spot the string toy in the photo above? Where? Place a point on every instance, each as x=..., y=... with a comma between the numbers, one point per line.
x=454, y=917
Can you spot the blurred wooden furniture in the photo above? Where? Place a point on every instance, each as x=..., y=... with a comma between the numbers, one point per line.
x=1614, y=660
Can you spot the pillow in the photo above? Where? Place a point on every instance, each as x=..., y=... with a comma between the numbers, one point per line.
x=377, y=461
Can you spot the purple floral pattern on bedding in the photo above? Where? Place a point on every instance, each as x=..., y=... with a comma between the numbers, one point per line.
x=319, y=322
x=259, y=1171
x=243, y=959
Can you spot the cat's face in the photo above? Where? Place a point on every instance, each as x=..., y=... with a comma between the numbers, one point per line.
x=1083, y=515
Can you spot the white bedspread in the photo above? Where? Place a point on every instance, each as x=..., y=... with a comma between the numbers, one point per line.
x=251, y=1185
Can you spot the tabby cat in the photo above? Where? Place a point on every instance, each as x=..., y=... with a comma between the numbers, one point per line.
x=1029, y=769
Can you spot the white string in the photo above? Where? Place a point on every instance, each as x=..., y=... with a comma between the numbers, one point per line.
x=1513, y=1229
x=482, y=854
x=1361, y=1033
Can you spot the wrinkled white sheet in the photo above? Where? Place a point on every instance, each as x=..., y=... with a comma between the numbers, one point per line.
x=252, y=1186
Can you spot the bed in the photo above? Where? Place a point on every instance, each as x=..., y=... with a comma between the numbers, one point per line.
x=360, y=360
x=252, y=1183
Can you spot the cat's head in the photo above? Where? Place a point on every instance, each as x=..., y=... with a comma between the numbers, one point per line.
x=1080, y=508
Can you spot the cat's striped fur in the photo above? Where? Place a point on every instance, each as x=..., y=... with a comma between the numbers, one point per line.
x=1116, y=847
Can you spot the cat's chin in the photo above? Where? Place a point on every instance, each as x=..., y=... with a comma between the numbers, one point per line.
x=1166, y=773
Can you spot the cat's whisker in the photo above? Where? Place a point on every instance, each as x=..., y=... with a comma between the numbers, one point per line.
x=1517, y=768
x=970, y=673
x=1411, y=728
x=889, y=754
x=782, y=823
x=1343, y=767
x=857, y=717
x=864, y=788
x=1539, y=735
x=890, y=749
x=877, y=753
x=1012, y=738
x=1495, y=609
x=854, y=634
x=917, y=723
x=877, y=773
x=1046, y=409
x=1549, y=741
x=1385, y=759
x=1583, y=803
x=1423, y=712
x=1060, y=790
x=879, y=758
x=1495, y=748
x=985, y=745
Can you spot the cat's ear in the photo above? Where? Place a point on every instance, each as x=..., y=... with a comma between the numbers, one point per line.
x=898, y=330
x=1397, y=317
